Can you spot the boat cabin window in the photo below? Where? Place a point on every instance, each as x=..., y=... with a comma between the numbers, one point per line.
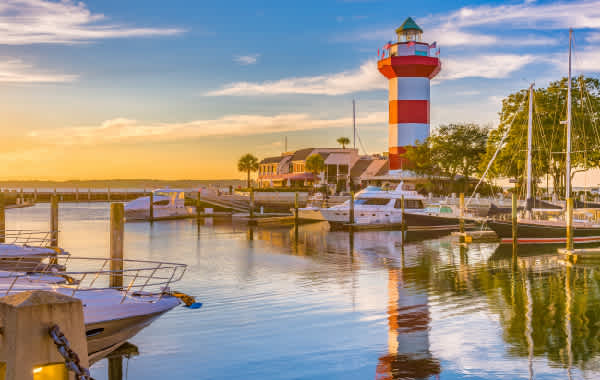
x=409, y=203
x=372, y=201
x=164, y=202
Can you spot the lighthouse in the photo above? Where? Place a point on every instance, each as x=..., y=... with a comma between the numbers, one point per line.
x=409, y=64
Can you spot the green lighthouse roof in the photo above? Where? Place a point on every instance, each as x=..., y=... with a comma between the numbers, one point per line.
x=408, y=24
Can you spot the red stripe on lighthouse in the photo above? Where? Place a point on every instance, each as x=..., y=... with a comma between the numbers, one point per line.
x=409, y=111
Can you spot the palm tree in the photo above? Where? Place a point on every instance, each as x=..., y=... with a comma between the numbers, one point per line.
x=248, y=163
x=343, y=141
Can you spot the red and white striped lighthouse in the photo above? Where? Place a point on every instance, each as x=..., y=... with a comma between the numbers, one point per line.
x=409, y=64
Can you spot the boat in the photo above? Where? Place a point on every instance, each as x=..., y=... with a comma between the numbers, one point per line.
x=531, y=230
x=437, y=216
x=167, y=204
x=375, y=207
x=312, y=211
x=112, y=314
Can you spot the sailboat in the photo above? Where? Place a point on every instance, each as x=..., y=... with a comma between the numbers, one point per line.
x=549, y=232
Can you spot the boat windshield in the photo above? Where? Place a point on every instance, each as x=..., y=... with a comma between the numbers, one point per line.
x=409, y=203
x=372, y=201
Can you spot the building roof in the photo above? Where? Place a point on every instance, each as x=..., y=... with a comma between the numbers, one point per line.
x=271, y=160
x=337, y=159
x=385, y=168
x=302, y=154
x=359, y=168
x=408, y=24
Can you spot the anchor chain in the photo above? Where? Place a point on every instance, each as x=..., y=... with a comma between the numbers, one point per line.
x=72, y=361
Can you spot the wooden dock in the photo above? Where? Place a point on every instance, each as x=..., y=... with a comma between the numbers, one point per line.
x=476, y=236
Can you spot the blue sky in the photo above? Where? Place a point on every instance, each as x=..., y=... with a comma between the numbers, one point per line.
x=192, y=85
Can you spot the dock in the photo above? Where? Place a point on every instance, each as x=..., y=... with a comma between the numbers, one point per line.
x=476, y=236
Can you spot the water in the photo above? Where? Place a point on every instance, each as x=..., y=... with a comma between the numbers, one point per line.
x=316, y=305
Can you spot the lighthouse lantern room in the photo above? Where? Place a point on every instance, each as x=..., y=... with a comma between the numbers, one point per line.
x=409, y=64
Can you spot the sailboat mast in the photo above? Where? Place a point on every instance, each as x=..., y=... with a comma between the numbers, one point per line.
x=568, y=159
x=528, y=198
x=354, y=123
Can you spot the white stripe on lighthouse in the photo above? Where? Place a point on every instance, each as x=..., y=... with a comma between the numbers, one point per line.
x=405, y=134
x=409, y=88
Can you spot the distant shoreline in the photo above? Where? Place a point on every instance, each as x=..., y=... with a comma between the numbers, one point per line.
x=120, y=183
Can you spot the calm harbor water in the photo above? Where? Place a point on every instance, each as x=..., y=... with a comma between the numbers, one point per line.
x=314, y=304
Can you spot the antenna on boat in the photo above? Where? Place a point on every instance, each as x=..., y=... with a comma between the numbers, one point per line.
x=528, y=199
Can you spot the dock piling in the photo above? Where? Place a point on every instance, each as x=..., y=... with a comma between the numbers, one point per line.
x=514, y=221
x=89, y=194
x=108, y=194
x=461, y=203
x=251, y=203
x=117, y=229
x=569, y=223
x=35, y=195
x=403, y=223
x=296, y=216
x=54, y=220
x=28, y=350
x=76, y=194
x=198, y=205
x=151, y=206
x=351, y=213
x=2, y=219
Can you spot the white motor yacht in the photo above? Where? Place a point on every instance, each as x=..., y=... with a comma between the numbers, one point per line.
x=167, y=204
x=112, y=314
x=374, y=206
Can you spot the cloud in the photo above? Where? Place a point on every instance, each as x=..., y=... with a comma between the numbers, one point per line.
x=483, y=66
x=128, y=130
x=24, y=22
x=16, y=71
x=246, y=59
x=365, y=78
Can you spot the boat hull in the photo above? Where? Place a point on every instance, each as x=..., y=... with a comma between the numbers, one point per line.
x=530, y=233
x=429, y=220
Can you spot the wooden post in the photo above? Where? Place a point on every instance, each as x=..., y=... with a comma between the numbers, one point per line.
x=351, y=219
x=35, y=195
x=151, y=212
x=569, y=224
x=76, y=194
x=89, y=194
x=403, y=224
x=27, y=349
x=198, y=203
x=251, y=203
x=21, y=196
x=2, y=219
x=117, y=229
x=296, y=208
x=54, y=220
x=108, y=194
x=461, y=221
x=515, y=226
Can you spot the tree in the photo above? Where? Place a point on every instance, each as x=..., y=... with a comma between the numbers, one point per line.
x=343, y=141
x=549, y=135
x=315, y=164
x=248, y=163
x=453, y=149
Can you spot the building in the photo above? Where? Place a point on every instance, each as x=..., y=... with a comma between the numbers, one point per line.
x=289, y=169
x=409, y=64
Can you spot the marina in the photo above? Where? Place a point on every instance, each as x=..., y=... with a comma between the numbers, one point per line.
x=298, y=303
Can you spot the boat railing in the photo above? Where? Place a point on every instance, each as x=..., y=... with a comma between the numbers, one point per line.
x=31, y=238
x=137, y=278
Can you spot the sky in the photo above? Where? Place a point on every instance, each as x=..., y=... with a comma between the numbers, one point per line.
x=104, y=89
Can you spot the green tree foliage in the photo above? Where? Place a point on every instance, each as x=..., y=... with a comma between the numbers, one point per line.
x=315, y=164
x=452, y=150
x=343, y=141
x=248, y=163
x=549, y=135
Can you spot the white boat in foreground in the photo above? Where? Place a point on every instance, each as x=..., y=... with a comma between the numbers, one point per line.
x=112, y=314
x=373, y=206
x=167, y=204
